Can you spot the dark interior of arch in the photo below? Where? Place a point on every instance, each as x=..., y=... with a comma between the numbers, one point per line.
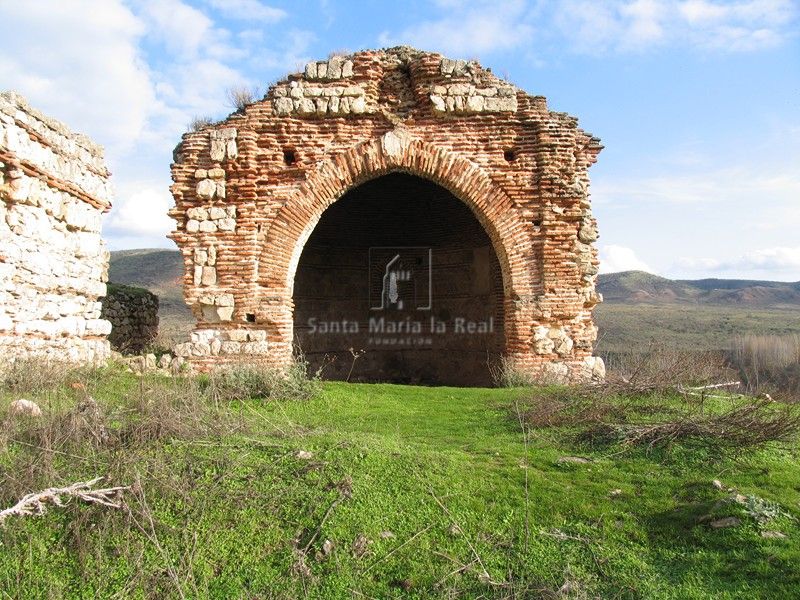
x=400, y=273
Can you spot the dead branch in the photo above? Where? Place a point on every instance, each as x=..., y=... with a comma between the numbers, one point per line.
x=484, y=575
x=746, y=426
x=398, y=548
x=714, y=386
x=36, y=503
x=345, y=488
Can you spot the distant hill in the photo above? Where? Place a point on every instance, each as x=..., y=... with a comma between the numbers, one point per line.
x=638, y=306
x=161, y=272
x=709, y=314
x=632, y=287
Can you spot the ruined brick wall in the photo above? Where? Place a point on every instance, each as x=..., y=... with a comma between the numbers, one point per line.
x=249, y=192
x=54, y=188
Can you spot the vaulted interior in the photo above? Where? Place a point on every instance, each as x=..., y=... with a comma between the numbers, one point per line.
x=399, y=282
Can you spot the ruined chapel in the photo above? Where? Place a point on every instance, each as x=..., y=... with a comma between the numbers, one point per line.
x=394, y=215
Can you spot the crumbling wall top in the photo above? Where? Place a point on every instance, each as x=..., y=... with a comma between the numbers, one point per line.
x=47, y=148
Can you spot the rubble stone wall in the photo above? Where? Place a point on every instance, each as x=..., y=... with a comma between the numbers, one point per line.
x=54, y=188
x=249, y=192
x=133, y=314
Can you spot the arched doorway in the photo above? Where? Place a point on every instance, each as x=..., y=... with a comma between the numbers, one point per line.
x=399, y=282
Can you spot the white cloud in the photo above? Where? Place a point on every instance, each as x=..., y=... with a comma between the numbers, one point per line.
x=182, y=29
x=625, y=25
x=250, y=10
x=771, y=184
x=132, y=75
x=780, y=261
x=140, y=212
x=479, y=27
x=588, y=26
x=79, y=61
x=614, y=258
x=646, y=21
x=705, y=12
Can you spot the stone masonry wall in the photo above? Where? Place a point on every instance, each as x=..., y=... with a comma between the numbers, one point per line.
x=250, y=190
x=54, y=188
x=133, y=314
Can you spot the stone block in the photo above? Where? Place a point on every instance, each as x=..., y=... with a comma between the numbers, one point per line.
x=347, y=68
x=216, y=212
x=208, y=227
x=224, y=300
x=475, y=103
x=283, y=106
x=359, y=105
x=209, y=276
x=257, y=335
x=230, y=347
x=206, y=188
x=198, y=213
x=227, y=224
x=217, y=150
x=237, y=335
x=255, y=348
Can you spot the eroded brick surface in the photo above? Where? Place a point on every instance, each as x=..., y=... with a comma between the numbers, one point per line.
x=249, y=192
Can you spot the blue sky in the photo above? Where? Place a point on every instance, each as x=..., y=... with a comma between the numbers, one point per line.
x=696, y=101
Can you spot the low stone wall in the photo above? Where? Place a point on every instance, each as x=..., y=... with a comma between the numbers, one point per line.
x=133, y=314
x=54, y=187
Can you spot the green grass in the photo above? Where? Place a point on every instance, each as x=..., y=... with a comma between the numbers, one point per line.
x=445, y=470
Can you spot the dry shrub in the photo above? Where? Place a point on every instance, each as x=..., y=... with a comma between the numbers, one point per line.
x=36, y=376
x=748, y=425
x=569, y=407
x=657, y=398
x=77, y=429
x=158, y=408
x=768, y=364
x=198, y=123
x=249, y=381
x=173, y=408
x=505, y=373
x=661, y=369
x=240, y=97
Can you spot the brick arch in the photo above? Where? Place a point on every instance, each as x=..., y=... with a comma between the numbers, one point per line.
x=290, y=227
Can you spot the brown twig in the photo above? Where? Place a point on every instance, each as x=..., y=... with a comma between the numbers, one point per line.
x=521, y=421
x=398, y=548
x=153, y=537
x=484, y=576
